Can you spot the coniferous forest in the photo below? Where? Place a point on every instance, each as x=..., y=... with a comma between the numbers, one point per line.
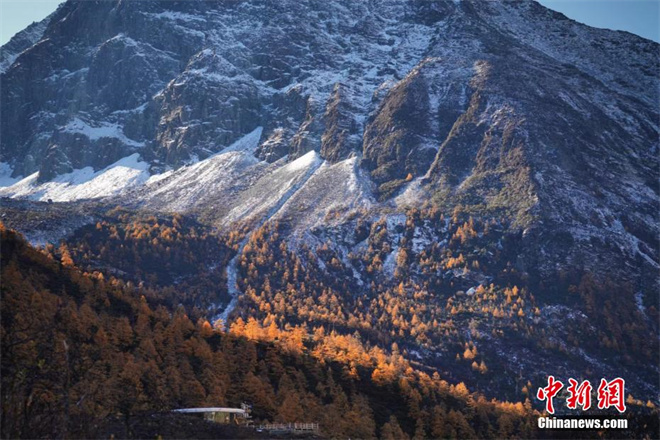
x=85, y=353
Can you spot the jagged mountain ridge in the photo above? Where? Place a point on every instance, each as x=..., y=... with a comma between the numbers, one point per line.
x=499, y=104
x=192, y=46
x=376, y=47
x=20, y=42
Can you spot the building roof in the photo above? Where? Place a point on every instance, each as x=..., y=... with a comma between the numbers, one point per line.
x=210, y=410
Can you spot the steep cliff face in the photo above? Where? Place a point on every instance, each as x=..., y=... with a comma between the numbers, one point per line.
x=341, y=137
x=563, y=143
x=184, y=79
x=503, y=105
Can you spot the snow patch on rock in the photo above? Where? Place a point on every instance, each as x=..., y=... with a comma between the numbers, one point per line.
x=99, y=131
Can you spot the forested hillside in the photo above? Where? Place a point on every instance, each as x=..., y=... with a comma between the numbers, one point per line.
x=80, y=348
x=462, y=305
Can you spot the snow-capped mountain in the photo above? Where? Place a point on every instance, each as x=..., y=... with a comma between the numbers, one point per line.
x=323, y=114
x=506, y=103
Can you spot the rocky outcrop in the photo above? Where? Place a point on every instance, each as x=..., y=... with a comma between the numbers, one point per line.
x=394, y=139
x=227, y=104
x=341, y=136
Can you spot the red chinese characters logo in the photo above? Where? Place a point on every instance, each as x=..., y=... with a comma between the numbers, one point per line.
x=549, y=392
x=612, y=394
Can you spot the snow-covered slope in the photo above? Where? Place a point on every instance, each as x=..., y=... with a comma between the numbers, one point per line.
x=329, y=195
x=232, y=185
x=82, y=184
x=194, y=185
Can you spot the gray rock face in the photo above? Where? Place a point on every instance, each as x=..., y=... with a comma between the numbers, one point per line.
x=394, y=140
x=501, y=105
x=341, y=137
x=181, y=80
x=226, y=103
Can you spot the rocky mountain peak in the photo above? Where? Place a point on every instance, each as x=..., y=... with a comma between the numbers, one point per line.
x=506, y=106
